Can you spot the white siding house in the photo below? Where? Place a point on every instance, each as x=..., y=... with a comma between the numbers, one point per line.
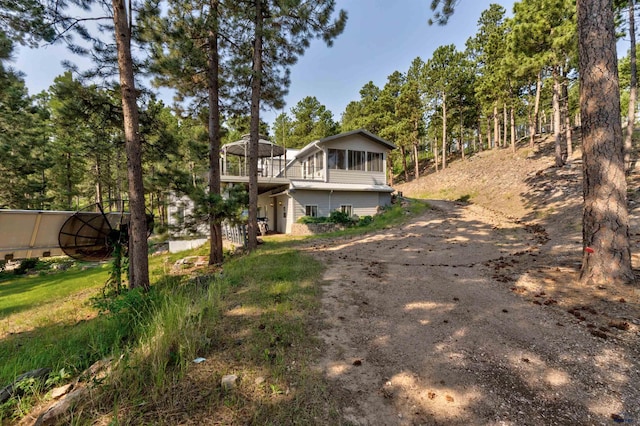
x=344, y=172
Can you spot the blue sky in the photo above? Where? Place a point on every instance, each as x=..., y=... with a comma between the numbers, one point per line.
x=381, y=36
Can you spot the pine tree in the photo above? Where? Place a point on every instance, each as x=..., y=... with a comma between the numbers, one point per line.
x=487, y=49
x=188, y=57
x=605, y=231
x=283, y=131
x=24, y=22
x=277, y=33
x=410, y=122
x=387, y=116
x=138, y=229
x=24, y=150
x=545, y=37
x=365, y=113
x=443, y=70
x=312, y=121
x=69, y=145
x=630, y=5
x=120, y=15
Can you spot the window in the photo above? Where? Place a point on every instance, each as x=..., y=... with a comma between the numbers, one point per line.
x=337, y=159
x=319, y=161
x=356, y=160
x=375, y=162
x=311, y=210
x=348, y=209
x=309, y=166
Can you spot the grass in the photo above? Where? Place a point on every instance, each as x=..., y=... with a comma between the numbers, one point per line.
x=24, y=293
x=256, y=318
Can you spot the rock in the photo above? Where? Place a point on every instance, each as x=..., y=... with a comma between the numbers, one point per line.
x=60, y=266
x=61, y=391
x=259, y=380
x=60, y=408
x=229, y=381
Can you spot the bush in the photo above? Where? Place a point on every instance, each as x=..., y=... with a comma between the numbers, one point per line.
x=309, y=219
x=365, y=220
x=336, y=216
x=342, y=218
x=26, y=265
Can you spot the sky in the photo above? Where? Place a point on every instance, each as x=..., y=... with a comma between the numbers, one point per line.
x=381, y=36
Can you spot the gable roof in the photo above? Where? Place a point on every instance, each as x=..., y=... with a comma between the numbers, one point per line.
x=361, y=132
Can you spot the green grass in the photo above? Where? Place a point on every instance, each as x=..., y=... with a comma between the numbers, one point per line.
x=26, y=292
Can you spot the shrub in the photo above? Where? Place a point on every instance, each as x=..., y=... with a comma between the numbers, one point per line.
x=25, y=265
x=342, y=218
x=309, y=219
x=365, y=220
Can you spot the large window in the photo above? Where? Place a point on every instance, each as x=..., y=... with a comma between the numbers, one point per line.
x=351, y=160
x=311, y=210
x=375, y=162
x=356, y=160
x=337, y=159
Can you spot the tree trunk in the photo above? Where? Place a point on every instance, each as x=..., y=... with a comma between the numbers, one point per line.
x=505, y=123
x=98, y=180
x=403, y=153
x=254, y=137
x=488, y=132
x=215, y=227
x=513, y=130
x=461, y=142
x=556, y=118
x=567, y=119
x=605, y=232
x=68, y=184
x=536, y=110
x=138, y=246
x=444, y=131
x=435, y=154
x=161, y=209
x=417, y=161
x=496, y=126
x=532, y=129
x=478, y=147
x=631, y=117
x=119, y=183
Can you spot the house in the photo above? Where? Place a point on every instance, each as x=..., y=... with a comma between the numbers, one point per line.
x=345, y=172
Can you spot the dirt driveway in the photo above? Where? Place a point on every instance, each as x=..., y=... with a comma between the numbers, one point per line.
x=454, y=318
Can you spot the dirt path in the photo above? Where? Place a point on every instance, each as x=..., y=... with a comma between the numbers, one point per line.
x=423, y=325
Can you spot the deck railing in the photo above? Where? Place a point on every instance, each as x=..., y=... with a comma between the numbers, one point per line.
x=266, y=170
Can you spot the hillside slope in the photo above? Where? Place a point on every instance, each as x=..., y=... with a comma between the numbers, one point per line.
x=525, y=186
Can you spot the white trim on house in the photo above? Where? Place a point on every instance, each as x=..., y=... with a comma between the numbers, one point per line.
x=329, y=186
